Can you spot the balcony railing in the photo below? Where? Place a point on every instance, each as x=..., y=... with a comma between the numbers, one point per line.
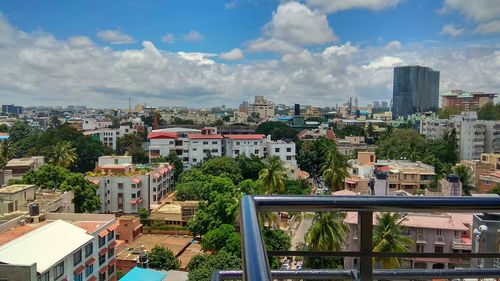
x=255, y=261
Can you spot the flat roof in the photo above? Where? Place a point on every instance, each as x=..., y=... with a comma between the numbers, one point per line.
x=144, y=274
x=45, y=246
x=16, y=188
x=245, y=137
x=20, y=162
x=204, y=136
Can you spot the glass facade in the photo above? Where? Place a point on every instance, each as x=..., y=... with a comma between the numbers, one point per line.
x=415, y=89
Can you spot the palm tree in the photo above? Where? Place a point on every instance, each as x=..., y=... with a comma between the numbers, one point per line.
x=272, y=178
x=334, y=170
x=328, y=233
x=465, y=178
x=388, y=238
x=7, y=149
x=62, y=154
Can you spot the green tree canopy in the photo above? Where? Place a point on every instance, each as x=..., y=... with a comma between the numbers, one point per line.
x=222, y=166
x=272, y=178
x=202, y=266
x=388, y=238
x=62, y=154
x=311, y=154
x=465, y=176
x=86, y=200
x=224, y=237
x=489, y=111
x=47, y=176
x=19, y=130
x=266, y=128
x=334, y=169
x=221, y=208
x=250, y=166
x=163, y=259
x=447, y=111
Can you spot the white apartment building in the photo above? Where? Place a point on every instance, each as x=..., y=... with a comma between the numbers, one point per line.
x=126, y=188
x=284, y=150
x=263, y=107
x=433, y=128
x=61, y=246
x=108, y=136
x=235, y=145
x=202, y=145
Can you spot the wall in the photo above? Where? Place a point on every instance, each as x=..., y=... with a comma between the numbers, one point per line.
x=18, y=272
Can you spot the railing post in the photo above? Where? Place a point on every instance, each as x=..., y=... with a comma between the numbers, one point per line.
x=365, y=221
x=254, y=257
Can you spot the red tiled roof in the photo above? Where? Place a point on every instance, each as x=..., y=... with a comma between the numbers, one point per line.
x=245, y=137
x=330, y=134
x=103, y=233
x=205, y=137
x=113, y=227
x=383, y=168
x=156, y=175
x=162, y=135
x=94, y=181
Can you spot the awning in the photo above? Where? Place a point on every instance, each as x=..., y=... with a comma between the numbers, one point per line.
x=113, y=227
x=103, y=269
x=156, y=175
x=94, y=181
x=90, y=261
x=103, y=251
x=139, y=200
x=93, y=278
x=103, y=233
x=112, y=244
x=133, y=201
x=112, y=262
x=164, y=170
x=113, y=278
x=135, y=180
x=79, y=269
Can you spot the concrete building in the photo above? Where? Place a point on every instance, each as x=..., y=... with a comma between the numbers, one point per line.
x=108, y=136
x=16, y=168
x=447, y=187
x=433, y=128
x=406, y=175
x=486, y=229
x=128, y=229
x=125, y=188
x=262, y=107
x=176, y=213
x=477, y=169
x=11, y=109
x=432, y=233
x=235, y=145
x=467, y=101
x=59, y=246
x=487, y=182
x=283, y=149
x=311, y=112
x=415, y=89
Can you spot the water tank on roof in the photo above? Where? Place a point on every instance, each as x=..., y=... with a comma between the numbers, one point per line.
x=34, y=209
x=143, y=260
x=452, y=178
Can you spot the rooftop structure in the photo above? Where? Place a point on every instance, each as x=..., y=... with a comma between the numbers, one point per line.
x=467, y=101
x=16, y=168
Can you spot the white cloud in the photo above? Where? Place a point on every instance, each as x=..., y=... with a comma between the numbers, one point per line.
x=115, y=37
x=234, y=54
x=231, y=5
x=80, y=41
x=193, y=36
x=295, y=23
x=451, y=30
x=168, y=38
x=272, y=45
x=38, y=69
x=332, y=6
x=489, y=27
x=394, y=45
x=478, y=10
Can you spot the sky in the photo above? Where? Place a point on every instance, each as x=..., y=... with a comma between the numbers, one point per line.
x=208, y=53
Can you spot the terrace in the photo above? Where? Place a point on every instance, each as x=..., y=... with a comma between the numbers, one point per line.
x=254, y=256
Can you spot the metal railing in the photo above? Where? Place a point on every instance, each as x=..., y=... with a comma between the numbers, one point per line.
x=255, y=258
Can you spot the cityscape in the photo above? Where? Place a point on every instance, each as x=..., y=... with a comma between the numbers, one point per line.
x=303, y=153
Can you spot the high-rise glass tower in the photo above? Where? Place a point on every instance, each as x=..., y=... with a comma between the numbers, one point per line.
x=415, y=89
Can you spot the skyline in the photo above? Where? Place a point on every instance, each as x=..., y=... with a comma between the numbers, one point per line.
x=101, y=53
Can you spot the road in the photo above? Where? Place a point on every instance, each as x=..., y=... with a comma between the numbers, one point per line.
x=301, y=231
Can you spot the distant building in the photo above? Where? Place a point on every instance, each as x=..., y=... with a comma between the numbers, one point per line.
x=415, y=89
x=109, y=136
x=59, y=246
x=244, y=107
x=467, y=101
x=262, y=107
x=477, y=169
x=11, y=109
x=16, y=168
x=285, y=150
x=235, y=145
x=311, y=112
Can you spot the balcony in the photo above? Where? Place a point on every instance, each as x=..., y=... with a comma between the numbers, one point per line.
x=439, y=240
x=254, y=256
x=461, y=243
x=421, y=239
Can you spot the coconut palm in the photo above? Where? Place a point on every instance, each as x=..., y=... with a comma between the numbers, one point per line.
x=334, y=170
x=62, y=154
x=272, y=178
x=388, y=238
x=465, y=178
x=7, y=149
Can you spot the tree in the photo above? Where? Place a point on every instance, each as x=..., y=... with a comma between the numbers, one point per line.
x=222, y=166
x=47, y=176
x=328, y=233
x=334, y=170
x=4, y=128
x=224, y=237
x=250, y=166
x=465, y=178
x=447, y=111
x=272, y=178
x=62, y=154
x=284, y=133
x=276, y=240
x=163, y=259
x=221, y=208
x=85, y=200
x=489, y=111
x=18, y=131
x=311, y=154
x=7, y=149
x=266, y=128
x=496, y=189
x=388, y=238
x=128, y=141
x=248, y=187
x=144, y=216
x=202, y=266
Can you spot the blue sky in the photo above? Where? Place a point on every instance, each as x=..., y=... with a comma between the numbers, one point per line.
x=282, y=43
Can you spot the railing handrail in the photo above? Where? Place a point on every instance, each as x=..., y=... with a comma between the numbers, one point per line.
x=255, y=261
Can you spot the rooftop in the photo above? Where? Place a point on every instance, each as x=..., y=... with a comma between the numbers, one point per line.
x=146, y=242
x=245, y=137
x=56, y=240
x=204, y=136
x=27, y=161
x=144, y=274
x=16, y=188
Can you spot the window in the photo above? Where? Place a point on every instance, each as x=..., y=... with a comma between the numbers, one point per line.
x=277, y=149
x=77, y=257
x=237, y=152
x=102, y=259
x=420, y=248
x=214, y=142
x=78, y=277
x=89, y=269
x=102, y=276
x=289, y=158
x=438, y=249
x=111, y=235
x=89, y=249
x=439, y=232
x=44, y=277
x=215, y=151
x=102, y=241
x=120, y=185
x=111, y=269
x=254, y=143
x=256, y=151
x=288, y=149
x=59, y=270
x=195, y=160
x=205, y=142
x=154, y=197
x=237, y=143
x=195, y=149
x=111, y=253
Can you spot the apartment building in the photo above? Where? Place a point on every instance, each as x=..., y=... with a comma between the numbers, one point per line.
x=235, y=145
x=59, y=246
x=487, y=182
x=16, y=168
x=262, y=107
x=478, y=168
x=447, y=187
x=109, y=136
x=124, y=187
x=285, y=150
x=467, y=101
x=432, y=233
x=433, y=128
x=406, y=175
x=361, y=171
